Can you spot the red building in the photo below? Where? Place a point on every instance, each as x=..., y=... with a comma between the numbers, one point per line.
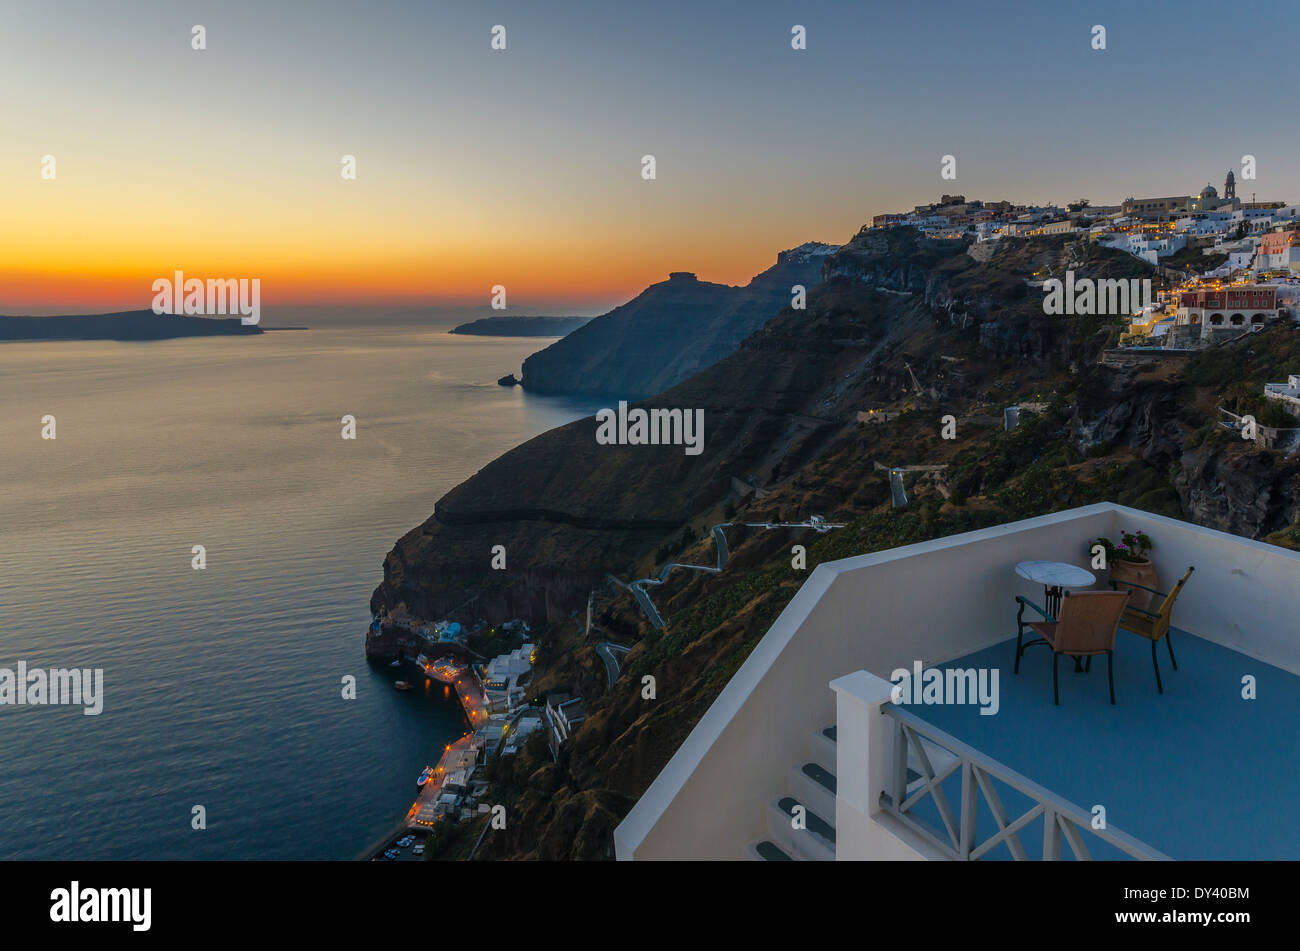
x=1225, y=310
x=1246, y=297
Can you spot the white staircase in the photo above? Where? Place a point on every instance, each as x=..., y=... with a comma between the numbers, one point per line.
x=810, y=784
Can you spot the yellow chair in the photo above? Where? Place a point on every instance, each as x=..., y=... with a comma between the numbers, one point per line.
x=1153, y=625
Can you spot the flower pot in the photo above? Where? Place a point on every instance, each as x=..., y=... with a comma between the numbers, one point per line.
x=1139, y=572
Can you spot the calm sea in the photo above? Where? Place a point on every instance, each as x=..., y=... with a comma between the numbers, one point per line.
x=222, y=687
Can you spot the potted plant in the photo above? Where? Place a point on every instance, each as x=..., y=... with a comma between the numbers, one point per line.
x=1127, y=560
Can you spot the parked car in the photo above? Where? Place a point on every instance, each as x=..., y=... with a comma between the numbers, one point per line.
x=390, y=854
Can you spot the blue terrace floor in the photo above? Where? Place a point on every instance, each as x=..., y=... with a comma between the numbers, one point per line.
x=1197, y=772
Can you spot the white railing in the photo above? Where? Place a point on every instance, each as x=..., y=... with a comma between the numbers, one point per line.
x=957, y=839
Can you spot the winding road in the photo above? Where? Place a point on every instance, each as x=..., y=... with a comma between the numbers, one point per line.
x=607, y=651
x=637, y=587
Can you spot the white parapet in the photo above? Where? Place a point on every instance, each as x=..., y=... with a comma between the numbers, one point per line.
x=863, y=752
x=863, y=738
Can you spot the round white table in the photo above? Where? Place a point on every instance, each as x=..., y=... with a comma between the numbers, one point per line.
x=1055, y=577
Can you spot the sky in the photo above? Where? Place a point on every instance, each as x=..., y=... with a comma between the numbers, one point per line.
x=522, y=167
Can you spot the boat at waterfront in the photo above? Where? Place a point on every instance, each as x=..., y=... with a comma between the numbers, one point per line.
x=403, y=685
x=425, y=776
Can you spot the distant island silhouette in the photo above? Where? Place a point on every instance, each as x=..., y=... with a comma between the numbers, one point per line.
x=125, y=325
x=521, y=326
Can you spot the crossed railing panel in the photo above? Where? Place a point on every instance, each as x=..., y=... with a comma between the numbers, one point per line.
x=926, y=744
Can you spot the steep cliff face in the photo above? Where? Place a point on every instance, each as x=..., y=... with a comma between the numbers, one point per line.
x=1168, y=417
x=568, y=510
x=1121, y=407
x=987, y=287
x=668, y=332
x=1246, y=491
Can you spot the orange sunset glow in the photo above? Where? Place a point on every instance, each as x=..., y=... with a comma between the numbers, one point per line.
x=99, y=244
x=520, y=167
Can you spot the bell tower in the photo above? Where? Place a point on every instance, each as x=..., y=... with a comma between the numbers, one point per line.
x=1230, y=186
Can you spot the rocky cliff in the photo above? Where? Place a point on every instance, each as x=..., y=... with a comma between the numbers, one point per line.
x=669, y=331
x=894, y=310
x=568, y=510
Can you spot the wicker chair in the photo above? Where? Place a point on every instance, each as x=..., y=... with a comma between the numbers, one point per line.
x=1153, y=625
x=1086, y=628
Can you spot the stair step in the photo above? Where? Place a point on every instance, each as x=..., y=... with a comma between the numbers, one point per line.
x=814, y=822
x=809, y=844
x=771, y=852
x=813, y=786
x=811, y=793
x=824, y=752
x=819, y=775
